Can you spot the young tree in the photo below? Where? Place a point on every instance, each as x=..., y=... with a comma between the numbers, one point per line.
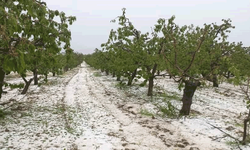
x=241, y=62
x=153, y=60
x=28, y=27
x=125, y=45
x=133, y=53
x=60, y=63
x=190, y=51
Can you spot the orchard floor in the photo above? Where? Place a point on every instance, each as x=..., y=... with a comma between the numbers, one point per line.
x=87, y=110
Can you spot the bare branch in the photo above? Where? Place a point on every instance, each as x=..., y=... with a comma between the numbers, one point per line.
x=194, y=54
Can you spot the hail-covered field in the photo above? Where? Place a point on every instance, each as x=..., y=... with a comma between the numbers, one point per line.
x=85, y=109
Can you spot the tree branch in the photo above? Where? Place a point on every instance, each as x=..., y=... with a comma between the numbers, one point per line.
x=41, y=3
x=24, y=79
x=194, y=54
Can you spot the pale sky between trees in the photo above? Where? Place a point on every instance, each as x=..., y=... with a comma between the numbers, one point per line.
x=93, y=17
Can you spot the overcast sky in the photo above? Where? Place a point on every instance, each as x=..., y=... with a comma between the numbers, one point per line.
x=93, y=17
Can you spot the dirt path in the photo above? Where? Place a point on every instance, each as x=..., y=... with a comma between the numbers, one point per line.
x=82, y=111
x=103, y=125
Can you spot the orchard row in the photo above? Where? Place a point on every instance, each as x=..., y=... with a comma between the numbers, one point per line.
x=190, y=55
x=32, y=40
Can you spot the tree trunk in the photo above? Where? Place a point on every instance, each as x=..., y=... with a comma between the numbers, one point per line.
x=158, y=72
x=46, y=77
x=215, y=81
x=66, y=68
x=188, y=94
x=151, y=80
x=27, y=84
x=54, y=71
x=245, y=128
x=118, y=78
x=35, y=77
x=129, y=81
x=2, y=75
x=245, y=131
x=212, y=78
x=107, y=72
x=150, y=86
x=113, y=74
x=131, y=78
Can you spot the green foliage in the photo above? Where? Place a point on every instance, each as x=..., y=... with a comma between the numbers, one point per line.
x=73, y=59
x=146, y=113
x=143, y=83
x=169, y=110
x=173, y=96
x=30, y=38
x=240, y=61
x=127, y=50
x=97, y=74
x=36, y=24
x=193, y=51
x=121, y=85
x=2, y=114
x=188, y=53
x=15, y=86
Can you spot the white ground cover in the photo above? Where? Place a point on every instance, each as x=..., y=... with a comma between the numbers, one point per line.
x=84, y=109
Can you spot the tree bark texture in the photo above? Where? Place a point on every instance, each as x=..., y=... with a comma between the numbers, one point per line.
x=151, y=80
x=27, y=84
x=35, y=77
x=188, y=93
x=131, y=78
x=2, y=75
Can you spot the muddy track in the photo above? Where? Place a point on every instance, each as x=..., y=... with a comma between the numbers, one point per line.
x=109, y=127
x=135, y=131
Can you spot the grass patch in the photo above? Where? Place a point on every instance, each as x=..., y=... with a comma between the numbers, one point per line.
x=49, y=82
x=43, y=109
x=121, y=85
x=144, y=83
x=70, y=130
x=146, y=113
x=169, y=110
x=237, y=143
x=14, y=86
x=168, y=96
x=97, y=74
x=233, y=143
x=3, y=113
x=26, y=114
x=239, y=125
x=59, y=110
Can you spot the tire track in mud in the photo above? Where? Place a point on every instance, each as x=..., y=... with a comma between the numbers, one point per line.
x=84, y=112
x=160, y=130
